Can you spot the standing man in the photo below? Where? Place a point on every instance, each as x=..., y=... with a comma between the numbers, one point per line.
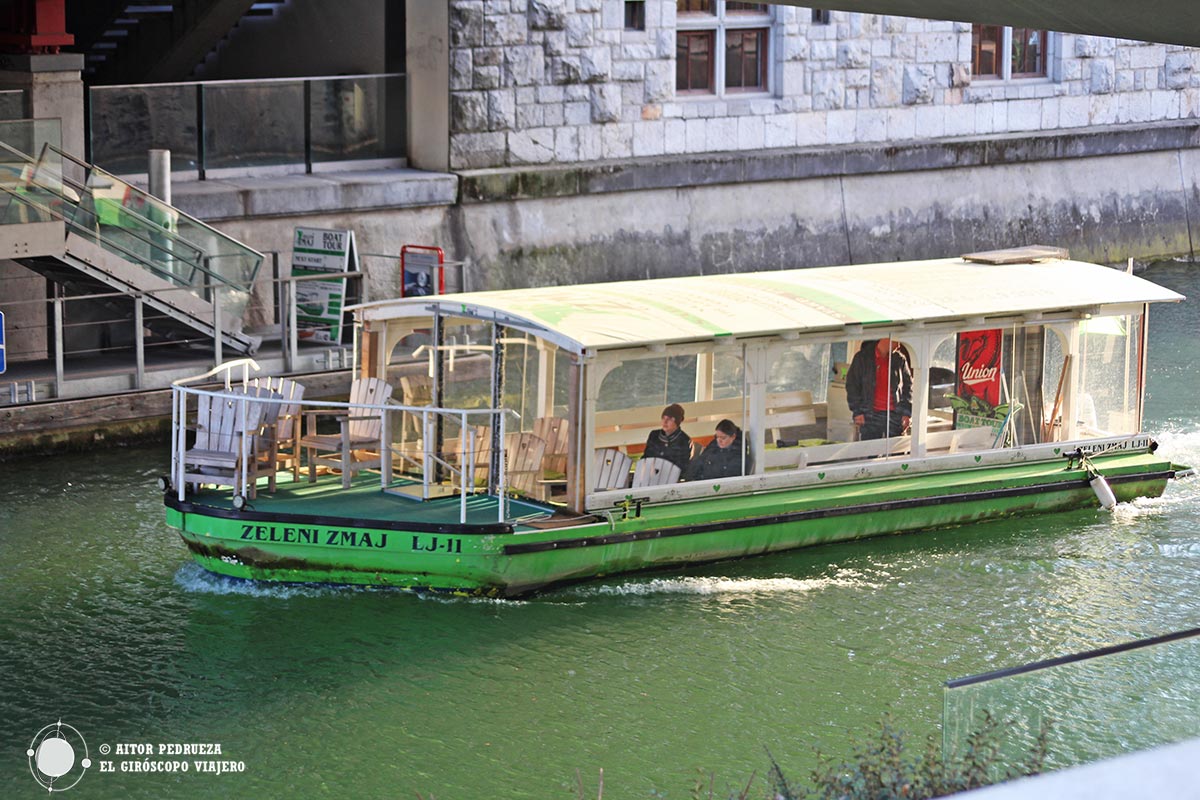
x=879, y=389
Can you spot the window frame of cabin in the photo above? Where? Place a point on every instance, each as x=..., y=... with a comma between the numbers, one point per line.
x=715, y=26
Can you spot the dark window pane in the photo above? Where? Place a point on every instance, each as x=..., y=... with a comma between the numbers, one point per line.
x=694, y=7
x=745, y=8
x=1028, y=52
x=635, y=15
x=693, y=61
x=745, y=59
x=985, y=51
x=820, y=16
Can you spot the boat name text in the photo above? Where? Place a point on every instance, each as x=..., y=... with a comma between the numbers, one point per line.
x=327, y=536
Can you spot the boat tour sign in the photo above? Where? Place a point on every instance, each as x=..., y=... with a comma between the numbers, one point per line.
x=319, y=303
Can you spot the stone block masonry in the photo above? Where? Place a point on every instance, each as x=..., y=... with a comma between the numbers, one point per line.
x=559, y=82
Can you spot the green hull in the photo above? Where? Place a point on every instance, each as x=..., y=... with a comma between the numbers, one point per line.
x=503, y=560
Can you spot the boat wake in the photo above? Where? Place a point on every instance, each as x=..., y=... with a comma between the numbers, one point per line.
x=193, y=578
x=727, y=586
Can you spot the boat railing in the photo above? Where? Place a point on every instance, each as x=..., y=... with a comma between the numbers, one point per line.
x=418, y=468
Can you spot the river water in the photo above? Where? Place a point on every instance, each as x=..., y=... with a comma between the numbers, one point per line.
x=319, y=692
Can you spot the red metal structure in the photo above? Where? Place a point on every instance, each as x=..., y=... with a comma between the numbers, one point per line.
x=35, y=26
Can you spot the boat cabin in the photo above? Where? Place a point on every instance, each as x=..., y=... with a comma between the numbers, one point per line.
x=1000, y=356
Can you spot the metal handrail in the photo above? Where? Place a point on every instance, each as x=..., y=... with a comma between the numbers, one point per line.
x=465, y=471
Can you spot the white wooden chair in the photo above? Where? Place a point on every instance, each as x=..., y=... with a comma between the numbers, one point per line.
x=611, y=469
x=223, y=423
x=357, y=445
x=655, y=472
x=281, y=436
x=523, y=454
x=553, y=431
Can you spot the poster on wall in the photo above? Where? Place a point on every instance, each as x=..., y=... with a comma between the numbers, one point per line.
x=319, y=303
x=422, y=270
x=977, y=384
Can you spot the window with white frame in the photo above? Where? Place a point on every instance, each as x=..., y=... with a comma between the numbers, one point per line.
x=1001, y=52
x=721, y=47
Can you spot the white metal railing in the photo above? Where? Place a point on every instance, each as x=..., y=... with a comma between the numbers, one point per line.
x=428, y=461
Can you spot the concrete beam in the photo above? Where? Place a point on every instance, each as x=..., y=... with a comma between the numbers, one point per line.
x=1168, y=21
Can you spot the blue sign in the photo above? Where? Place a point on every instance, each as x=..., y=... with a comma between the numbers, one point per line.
x=3, y=363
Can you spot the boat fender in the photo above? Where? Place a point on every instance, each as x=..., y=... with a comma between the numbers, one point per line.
x=1104, y=492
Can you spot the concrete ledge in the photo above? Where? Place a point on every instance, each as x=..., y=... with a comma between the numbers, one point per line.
x=1167, y=771
x=327, y=192
x=710, y=169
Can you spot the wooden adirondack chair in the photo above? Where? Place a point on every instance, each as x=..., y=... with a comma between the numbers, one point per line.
x=611, y=469
x=223, y=423
x=523, y=453
x=357, y=446
x=655, y=472
x=281, y=438
x=553, y=431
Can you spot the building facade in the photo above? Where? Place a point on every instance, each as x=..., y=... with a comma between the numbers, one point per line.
x=538, y=82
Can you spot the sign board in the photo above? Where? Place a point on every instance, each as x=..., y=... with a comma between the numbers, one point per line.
x=319, y=303
x=3, y=360
x=422, y=270
x=977, y=380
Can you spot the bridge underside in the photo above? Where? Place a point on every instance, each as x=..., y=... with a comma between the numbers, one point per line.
x=1169, y=21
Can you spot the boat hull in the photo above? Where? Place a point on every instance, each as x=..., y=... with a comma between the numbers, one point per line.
x=500, y=560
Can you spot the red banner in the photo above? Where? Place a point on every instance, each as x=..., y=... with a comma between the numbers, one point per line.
x=978, y=366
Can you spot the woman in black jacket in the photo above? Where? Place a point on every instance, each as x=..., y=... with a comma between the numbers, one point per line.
x=722, y=458
x=670, y=442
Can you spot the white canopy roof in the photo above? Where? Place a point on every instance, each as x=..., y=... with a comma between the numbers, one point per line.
x=633, y=313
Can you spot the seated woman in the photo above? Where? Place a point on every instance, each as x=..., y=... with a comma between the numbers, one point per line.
x=671, y=442
x=722, y=458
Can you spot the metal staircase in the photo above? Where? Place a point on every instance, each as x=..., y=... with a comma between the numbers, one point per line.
x=149, y=41
x=121, y=240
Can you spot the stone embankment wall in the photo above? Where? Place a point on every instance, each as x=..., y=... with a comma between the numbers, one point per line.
x=1107, y=194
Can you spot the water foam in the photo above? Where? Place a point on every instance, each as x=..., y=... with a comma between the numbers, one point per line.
x=191, y=577
x=727, y=586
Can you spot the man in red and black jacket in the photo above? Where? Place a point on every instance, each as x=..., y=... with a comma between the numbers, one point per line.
x=879, y=389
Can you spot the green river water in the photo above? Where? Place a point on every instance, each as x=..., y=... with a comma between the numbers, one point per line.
x=106, y=624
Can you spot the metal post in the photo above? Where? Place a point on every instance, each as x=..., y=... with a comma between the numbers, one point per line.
x=201, y=155
x=58, y=347
x=293, y=343
x=217, y=343
x=308, y=160
x=497, y=421
x=139, y=341
x=160, y=175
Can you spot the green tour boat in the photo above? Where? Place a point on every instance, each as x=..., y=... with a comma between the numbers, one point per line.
x=502, y=442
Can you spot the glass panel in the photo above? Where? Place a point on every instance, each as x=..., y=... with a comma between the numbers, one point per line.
x=12, y=104
x=985, y=51
x=745, y=59
x=1028, y=52
x=1109, y=361
x=649, y=382
x=127, y=121
x=1102, y=705
x=359, y=117
x=253, y=124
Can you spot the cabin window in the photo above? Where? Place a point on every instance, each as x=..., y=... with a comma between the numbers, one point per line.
x=997, y=394
x=710, y=386
x=1109, y=401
